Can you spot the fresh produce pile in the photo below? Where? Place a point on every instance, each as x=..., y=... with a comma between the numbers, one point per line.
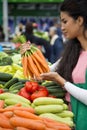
x=53, y=108
x=20, y=118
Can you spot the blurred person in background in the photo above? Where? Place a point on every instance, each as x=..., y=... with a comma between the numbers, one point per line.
x=56, y=44
x=37, y=40
x=20, y=28
x=2, y=36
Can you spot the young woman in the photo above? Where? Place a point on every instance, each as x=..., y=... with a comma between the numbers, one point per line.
x=71, y=71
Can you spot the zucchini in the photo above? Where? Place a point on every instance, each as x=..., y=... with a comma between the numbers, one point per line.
x=48, y=109
x=56, y=90
x=18, y=87
x=11, y=82
x=49, y=83
x=47, y=101
x=65, y=113
x=58, y=95
x=5, y=77
x=52, y=87
x=14, y=85
x=2, y=82
x=14, y=91
x=67, y=121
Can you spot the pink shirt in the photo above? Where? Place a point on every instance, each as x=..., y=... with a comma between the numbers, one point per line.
x=78, y=74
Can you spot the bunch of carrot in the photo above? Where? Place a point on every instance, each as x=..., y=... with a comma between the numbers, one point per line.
x=34, y=63
x=20, y=118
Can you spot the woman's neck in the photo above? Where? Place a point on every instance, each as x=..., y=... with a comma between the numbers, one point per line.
x=83, y=42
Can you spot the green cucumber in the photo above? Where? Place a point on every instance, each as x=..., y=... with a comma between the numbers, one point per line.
x=52, y=87
x=14, y=91
x=14, y=85
x=49, y=83
x=18, y=87
x=2, y=82
x=58, y=95
x=5, y=77
x=11, y=82
x=57, y=90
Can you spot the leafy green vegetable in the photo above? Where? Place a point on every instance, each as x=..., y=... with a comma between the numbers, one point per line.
x=6, y=61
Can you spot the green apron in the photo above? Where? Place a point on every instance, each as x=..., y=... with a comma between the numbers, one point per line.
x=80, y=110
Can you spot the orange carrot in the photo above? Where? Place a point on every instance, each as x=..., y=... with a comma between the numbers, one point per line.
x=32, y=66
x=24, y=64
x=26, y=114
x=2, y=103
x=41, y=61
x=4, y=121
x=21, y=128
x=30, y=73
x=53, y=121
x=37, y=64
x=8, y=114
x=5, y=128
x=56, y=125
x=12, y=108
x=50, y=128
x=41, y=55
x=27, y=123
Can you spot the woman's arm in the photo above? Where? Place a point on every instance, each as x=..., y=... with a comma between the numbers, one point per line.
x=79, y=93
x=54, y=66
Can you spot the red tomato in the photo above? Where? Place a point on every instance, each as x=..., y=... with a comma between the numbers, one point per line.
x=24, y=93
x=44, y=89
x=35, y=86
x=28, y=86
x=1, y=91
x=39, y=93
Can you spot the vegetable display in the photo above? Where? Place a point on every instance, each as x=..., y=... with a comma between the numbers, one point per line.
x=53, y=108
x=20, y=118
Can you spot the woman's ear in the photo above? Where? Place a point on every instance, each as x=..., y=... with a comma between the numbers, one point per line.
x=80, y=20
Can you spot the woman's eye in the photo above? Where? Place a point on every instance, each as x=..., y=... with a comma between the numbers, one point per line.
x=64, y=21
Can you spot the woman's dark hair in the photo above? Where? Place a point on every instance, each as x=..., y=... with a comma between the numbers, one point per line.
x=29, y=28
x=74, y=8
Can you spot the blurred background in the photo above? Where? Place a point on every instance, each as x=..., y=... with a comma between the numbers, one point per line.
x=16, y=17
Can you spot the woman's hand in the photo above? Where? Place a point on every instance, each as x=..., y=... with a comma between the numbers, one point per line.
x=53, y=76
x=24, y=48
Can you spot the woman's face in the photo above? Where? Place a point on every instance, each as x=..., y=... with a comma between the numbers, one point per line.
x=70, y=27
